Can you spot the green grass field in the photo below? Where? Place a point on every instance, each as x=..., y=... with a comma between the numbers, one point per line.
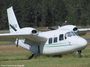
x=12, y=55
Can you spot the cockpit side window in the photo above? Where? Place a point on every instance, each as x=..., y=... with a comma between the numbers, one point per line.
x=69, y=34
x=61, y=37
x=50, y=41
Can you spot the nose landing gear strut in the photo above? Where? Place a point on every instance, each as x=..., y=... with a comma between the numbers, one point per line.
x=80, y=53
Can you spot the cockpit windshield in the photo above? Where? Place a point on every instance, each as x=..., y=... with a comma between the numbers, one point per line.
x=69, y=34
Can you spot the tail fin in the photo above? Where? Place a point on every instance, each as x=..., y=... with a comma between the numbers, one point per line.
x=13, y=24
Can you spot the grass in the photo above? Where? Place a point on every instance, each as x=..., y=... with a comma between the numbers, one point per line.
x=11, y=55
x=11, y=52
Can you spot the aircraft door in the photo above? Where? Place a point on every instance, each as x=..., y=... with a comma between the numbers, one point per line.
x=35, y=49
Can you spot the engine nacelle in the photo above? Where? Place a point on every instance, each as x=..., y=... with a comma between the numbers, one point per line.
x=69, y=27
x=73, y=28
x=27, y=30
x=34, y=32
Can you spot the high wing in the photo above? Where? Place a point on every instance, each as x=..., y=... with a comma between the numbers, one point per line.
x=84, y=29
x=35, y=39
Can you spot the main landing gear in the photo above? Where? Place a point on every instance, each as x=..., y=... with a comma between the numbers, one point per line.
x=30, y=57
x=33, y=56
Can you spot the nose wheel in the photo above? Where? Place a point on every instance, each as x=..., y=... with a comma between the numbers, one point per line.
x=80, y=53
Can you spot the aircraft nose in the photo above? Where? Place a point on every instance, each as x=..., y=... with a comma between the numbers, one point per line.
x=82, y=42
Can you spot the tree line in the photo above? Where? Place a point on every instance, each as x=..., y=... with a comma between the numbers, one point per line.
x=39, y=13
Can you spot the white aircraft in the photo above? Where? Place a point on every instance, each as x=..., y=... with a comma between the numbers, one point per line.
x=55, y=42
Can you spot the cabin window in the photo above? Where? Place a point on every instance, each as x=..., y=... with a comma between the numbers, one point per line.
x=50, y=40
x=61, y=37
x=55, y=39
